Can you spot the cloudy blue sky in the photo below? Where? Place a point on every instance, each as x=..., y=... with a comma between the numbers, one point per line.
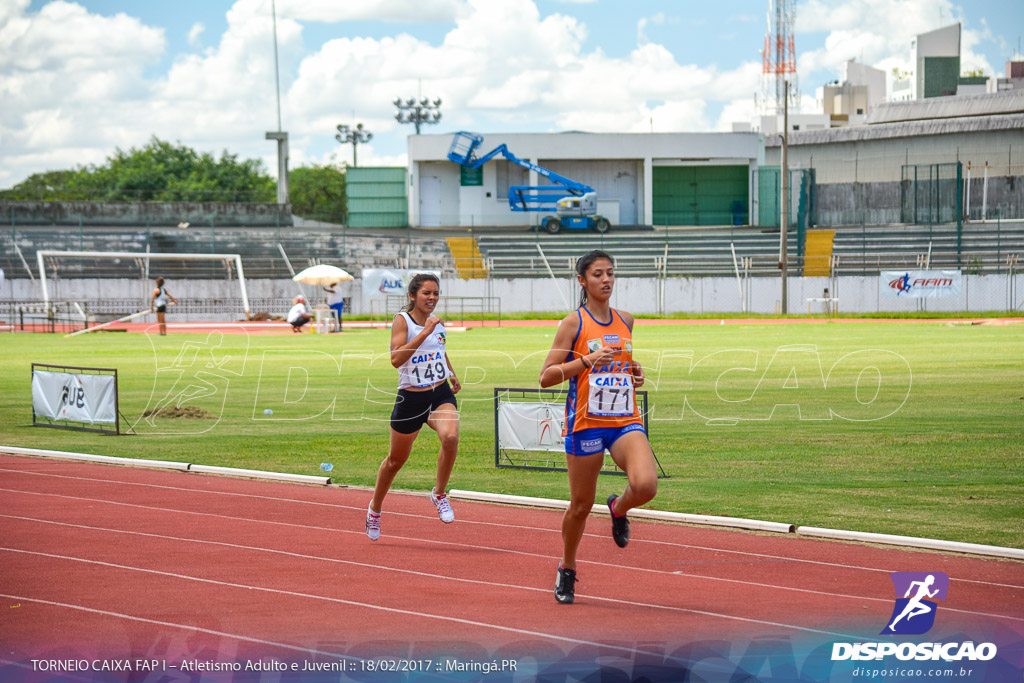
x=79, y=79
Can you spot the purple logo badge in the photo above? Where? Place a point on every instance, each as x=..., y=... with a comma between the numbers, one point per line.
x=916, y=592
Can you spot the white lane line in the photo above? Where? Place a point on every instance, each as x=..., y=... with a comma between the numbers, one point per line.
x=186, y=627
x=446, y=578
x=783, y=558
x=340, y=601
x=517, y=552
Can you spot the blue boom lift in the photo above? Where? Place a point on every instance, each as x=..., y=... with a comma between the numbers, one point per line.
x=574, y=204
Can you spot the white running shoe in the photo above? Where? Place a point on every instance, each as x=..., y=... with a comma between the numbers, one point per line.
x=372, y=524
x=444, y=508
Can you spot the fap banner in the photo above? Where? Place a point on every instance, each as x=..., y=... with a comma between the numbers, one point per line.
x=920, y=284
x=91, y=399
x=389, y=281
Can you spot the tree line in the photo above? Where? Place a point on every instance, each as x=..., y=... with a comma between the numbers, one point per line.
x=165, y=172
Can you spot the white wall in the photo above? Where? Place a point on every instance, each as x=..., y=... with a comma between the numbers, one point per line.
x=603, y=159
x=857, y=294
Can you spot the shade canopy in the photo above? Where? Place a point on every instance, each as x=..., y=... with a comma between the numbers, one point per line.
x=322, y=275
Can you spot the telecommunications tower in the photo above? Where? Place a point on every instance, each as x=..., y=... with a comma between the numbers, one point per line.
x=779, y=58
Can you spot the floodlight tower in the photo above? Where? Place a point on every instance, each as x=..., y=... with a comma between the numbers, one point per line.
x=779, y=58
x=355, y=136
x=283, y=195
x=418, y=111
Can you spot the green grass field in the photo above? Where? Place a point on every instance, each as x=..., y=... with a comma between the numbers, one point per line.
x=905, y=428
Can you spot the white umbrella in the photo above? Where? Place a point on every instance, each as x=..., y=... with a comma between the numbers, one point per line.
x=322, y=275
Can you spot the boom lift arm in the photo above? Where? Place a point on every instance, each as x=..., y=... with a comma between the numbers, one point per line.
x=573, y=202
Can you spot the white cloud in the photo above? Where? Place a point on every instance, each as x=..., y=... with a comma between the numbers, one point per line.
x=530, y=75
x=740, y=110
x=406, y=11
x=879, y=33
x=66, y=79
x=195, y=34
x=74, y=87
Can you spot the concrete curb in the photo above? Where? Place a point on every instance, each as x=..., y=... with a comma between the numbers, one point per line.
x=760, y=525
x=912, y=541
x=679, y=517
x=736, y=522
x=108, y=459
x=168, y=465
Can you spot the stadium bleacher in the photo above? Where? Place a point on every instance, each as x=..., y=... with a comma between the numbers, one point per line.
x=983, y=247
x=980, y=247
x=258, y=248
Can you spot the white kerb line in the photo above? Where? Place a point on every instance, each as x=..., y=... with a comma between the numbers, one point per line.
x=107, y=324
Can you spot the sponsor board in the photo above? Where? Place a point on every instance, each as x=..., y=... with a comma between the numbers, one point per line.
x=920, y=284
x=378, y=282
x=74, y=397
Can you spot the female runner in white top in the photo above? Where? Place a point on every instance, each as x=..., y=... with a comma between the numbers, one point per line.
x=418, y=351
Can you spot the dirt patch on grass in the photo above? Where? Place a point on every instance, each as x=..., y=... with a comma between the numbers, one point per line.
x=178, y=412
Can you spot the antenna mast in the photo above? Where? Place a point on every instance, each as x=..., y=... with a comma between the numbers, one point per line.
x=779, y=58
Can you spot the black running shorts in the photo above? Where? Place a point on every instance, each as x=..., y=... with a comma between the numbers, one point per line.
x=412, y=408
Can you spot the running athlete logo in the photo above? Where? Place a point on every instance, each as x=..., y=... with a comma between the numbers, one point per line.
x=549, y=429
x=914, y=612
x=902, y=284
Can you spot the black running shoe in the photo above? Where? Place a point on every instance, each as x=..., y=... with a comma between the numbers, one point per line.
x=565, y=586
x=620, y=525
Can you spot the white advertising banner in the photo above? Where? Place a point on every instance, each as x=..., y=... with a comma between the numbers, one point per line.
x=920, y=284
x=531, y=426
x=394, y=281
x=86, y=398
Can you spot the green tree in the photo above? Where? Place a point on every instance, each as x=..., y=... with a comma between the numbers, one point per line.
x=160, y=171
x=318, y=192
x=70, y=185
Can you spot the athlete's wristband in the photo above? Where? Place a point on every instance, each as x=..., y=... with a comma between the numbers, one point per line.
x=583, y=359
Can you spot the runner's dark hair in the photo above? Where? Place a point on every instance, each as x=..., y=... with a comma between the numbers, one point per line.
x=414, y=286
x=159, y=282
x=584, y=262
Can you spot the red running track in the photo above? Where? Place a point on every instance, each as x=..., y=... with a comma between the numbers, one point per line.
x=123, y=562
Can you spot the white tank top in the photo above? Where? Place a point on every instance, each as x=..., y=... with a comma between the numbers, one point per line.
x=161, y=298
x=428, y=365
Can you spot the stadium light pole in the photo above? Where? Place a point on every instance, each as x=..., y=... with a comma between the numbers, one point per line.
x=355, y=136
x=283, y=195
x=784, y=218
x=418, y=112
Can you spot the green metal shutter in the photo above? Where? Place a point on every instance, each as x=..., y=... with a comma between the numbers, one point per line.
x=376, y=197
x=700, y=195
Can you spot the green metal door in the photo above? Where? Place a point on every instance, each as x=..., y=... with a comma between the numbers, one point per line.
x=700, y=195
x=721, y=195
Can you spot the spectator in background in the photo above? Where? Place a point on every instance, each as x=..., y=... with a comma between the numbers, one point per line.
x=299, y=315
x=335, y=301
x=158, y=303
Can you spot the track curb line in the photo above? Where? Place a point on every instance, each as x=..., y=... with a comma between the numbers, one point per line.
x=913, y=542
x=88, y=457
x=169, y=465
x=760, y=525
x=636, y=513
x=478, y=496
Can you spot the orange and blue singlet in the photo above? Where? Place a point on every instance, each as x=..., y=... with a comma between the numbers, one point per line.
x=601, y=404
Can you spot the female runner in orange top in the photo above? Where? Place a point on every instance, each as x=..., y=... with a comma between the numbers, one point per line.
x=593, y=350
